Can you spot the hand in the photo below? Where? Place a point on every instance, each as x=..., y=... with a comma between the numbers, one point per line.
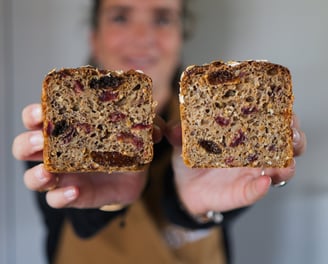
x=80, y=190
x=201, y=190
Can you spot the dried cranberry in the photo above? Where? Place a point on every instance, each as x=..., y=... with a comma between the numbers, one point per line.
x=127, y=137
x=222, y=121
x=238, y=139
x=78, y=86
x=108, y=96
x=114, y=158
x=210, y=146
x=141, y=126
x=229, y=160
x=219, y=77
x=116, y=116
x=247, y=110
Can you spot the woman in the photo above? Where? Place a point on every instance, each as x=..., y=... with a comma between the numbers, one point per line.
x=164, y=209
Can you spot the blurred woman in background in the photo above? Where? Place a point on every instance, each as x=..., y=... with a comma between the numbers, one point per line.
x=168, y=213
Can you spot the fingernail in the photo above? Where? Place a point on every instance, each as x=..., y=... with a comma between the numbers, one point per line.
x=36, y=113
x=70, y=194
x=292, y=165
x=40, y=176
x=36, y=140
x=296, y=136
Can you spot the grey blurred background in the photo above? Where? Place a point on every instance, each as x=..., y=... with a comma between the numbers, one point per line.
x=290, y=224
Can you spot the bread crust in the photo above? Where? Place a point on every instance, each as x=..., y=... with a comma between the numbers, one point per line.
x=97, y=120
x=236, y=114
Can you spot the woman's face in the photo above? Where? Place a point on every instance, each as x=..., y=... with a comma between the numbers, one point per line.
x=140, y=34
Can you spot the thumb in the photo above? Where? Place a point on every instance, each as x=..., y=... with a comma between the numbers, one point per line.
x=256, y=189
x=173, y=134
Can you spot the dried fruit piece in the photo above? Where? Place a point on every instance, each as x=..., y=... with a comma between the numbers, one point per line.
x=116, y=116
x=107, y=96
x=238, y=139
x=219, y=77
x=78, y=86
x=113, y=158
x=106, y=82
x=127, y=137
x=210, y=146
x=141, y=126
x=222, y=121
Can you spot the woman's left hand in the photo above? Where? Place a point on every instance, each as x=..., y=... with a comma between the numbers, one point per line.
x=224, y=189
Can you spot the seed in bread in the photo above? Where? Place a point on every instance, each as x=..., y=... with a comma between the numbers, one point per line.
x=97, y=120
x=236, y=114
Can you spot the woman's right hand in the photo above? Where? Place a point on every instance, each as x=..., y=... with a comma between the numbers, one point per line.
x=79, y=190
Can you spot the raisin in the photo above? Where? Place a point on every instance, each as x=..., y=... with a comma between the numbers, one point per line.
x=59, y=128
x=113, y=158
x=116, y=117
x=210, y=146
x=219, y=77
x=93, y=83
x=238, y=139
x=249, y=110
x=106, y=82
x=222, y=121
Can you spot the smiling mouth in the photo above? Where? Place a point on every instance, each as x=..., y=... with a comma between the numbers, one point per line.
x=140, y=63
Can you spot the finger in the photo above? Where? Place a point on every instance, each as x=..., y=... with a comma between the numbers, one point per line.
x=28, y=146
x=62, y=197
x=299, y=141
x=32, y=116
x=159, y=128
x=173, y=134
x=255, y=189
x=281, y=174
x=38, y=179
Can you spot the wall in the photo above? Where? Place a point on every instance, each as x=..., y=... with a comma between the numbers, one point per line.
x=285, y=227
